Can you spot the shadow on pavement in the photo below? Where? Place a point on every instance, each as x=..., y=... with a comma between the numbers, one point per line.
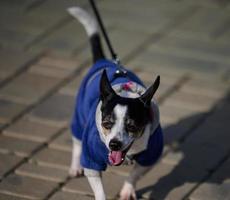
x=197, y=156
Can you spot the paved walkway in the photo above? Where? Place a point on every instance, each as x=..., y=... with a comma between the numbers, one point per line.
x=43, y=55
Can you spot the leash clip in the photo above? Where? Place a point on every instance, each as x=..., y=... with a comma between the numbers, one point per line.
x=120, y=73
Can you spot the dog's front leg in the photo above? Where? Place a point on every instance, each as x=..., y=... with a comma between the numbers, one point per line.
x=95, y=181
x=128, y=189
x=76, y=168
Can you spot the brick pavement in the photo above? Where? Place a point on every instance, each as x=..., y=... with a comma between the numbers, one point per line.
x=44, y=54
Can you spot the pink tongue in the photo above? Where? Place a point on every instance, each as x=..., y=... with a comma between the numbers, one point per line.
x=115, y=157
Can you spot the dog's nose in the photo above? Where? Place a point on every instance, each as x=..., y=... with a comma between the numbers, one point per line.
x=115, y=145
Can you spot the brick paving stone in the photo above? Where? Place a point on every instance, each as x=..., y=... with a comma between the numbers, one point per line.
x=197, y=103
x=40, y=172
x=166, y=181
x=214, y=131
x=72, y=87
x=23, y=24
x=208, y=83
x=146, y=184
x=167, y=81
x=212, y=191
x=190, y=35
x=127, y=21
x=70, y=196
x=49, y=12
x=7, y=162
x=226, y=76
x=12, y=61
x=184, y=168
x=17, y=146
x=222, y=174
x=188, y=156
x=210, y=89
x=182, y=62
x=144, y=63
x=5, y=11
x=15, y=5
x=28, y=88
x=166, y=78
x=131, y=39
x=208, y=3
x=201, y=21
x=175, y=111
x=162, y=90
x=10, y=197
x=81, y=185
x=25, y=21
x=203, y=150
x=78, y=185
x=111, y=5
x=26, y=129
x=29, y=25
x=176, y=130
x=50, y=71
x=84, y=55
x=53, y=158
x=9, y=110
x=128, y=18
x=57, y=110
x=62, y=40
x=122, y=169
x=63, y=142
x=68, y=64
x=224, y=37
x=112, y=183
x=207, y=50
x=216, y=187
x=10, y=39
x=26, y=187
x=1, y=125
x=167, y=121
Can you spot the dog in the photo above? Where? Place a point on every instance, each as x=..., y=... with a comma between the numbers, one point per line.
x=115, y=121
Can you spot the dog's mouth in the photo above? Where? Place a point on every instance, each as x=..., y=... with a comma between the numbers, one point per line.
x=116, y=158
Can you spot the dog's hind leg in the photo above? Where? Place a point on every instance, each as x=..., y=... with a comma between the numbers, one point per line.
x=128, y=190
x=76, y=168
x=91, y=28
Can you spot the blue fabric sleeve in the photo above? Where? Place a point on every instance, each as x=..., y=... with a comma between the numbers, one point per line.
x=94, y=152
x=154, y=149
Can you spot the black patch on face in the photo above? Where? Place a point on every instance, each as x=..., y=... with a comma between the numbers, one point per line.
x=138, y=113
x=137, y=117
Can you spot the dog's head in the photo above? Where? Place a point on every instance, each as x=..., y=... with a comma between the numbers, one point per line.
x=123, y=119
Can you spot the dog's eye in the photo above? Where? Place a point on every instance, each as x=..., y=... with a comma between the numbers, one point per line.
x=134, y=131
x=131, y=128
x=107, y=124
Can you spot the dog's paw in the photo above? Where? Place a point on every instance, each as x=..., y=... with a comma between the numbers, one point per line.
x=128, y=192
x=76, y=171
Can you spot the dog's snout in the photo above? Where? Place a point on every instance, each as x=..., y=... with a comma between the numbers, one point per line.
x=115, y=145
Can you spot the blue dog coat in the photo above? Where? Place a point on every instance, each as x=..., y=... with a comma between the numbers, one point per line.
x=94, y=152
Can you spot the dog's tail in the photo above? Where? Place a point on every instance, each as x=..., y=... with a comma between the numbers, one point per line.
x=91, y=27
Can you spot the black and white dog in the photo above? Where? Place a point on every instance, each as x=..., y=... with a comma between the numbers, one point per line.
x=115, y=120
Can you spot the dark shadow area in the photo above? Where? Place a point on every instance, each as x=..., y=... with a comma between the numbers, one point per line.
x=204, y=149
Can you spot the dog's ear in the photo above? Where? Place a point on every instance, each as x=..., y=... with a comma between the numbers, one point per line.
x=148, y=95
x=106, y=91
